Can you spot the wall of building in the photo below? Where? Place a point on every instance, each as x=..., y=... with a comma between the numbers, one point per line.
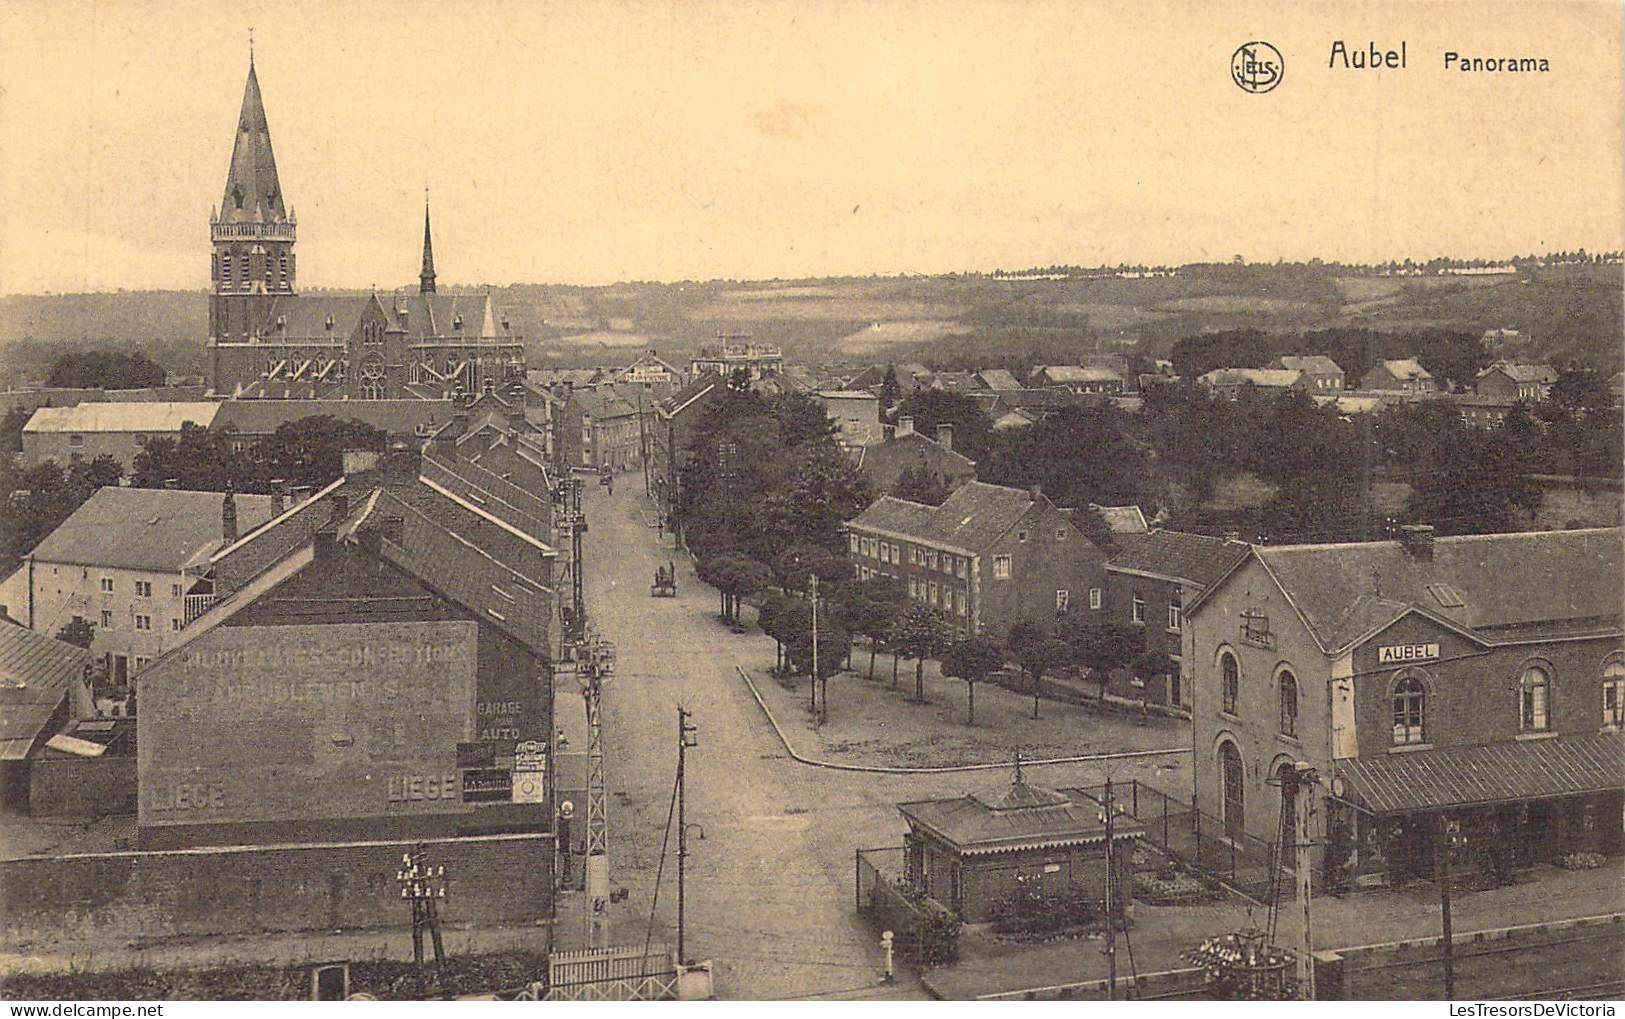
x=59, y=446
x=81, y=787
x=65, y=590
x=1472, y=692
x=1118, y=608
x=119, y=898
x=1040, y=566
x=1255, y=726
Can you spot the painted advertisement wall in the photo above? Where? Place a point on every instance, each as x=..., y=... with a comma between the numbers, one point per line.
x=308, y=722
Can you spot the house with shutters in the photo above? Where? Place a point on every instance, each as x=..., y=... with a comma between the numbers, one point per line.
x=987, y=558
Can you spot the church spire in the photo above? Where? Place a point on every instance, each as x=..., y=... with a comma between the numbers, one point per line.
x=426, y=277
x=252, y=189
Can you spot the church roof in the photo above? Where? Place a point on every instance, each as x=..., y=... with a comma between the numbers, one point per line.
x=253, y=193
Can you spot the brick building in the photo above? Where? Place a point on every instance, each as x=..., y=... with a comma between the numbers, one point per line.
x=856, y=414
x=266, y=340
x=374, y=665
x=884, y=461
x=1405, y=375
x=987, y=558
x=1149, y=581
x=1476, y=680
x=128, y=562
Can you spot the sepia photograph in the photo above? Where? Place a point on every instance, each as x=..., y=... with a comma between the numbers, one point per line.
x=812, y=500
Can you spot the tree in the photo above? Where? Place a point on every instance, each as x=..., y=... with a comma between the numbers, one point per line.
x=197, y=460
x=770, y=617
x=1101, y=647
x=310, y=450
x=971, y=660
x=105, y=369
x=1148, y=665
x=11, y=429
x=973, y=433
x=78, y=632
x=1036, y=652
x=884, y=600
x=919, y=484
x=920, y=633
x=890, y=391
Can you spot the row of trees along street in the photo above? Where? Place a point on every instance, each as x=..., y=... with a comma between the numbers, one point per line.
x=306, y=452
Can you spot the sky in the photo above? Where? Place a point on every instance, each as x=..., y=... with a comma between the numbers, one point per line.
x=595, y=142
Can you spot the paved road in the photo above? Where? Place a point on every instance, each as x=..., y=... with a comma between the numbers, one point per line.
x=770, y=889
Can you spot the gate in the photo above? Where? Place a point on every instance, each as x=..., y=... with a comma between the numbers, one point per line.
x=627, y=973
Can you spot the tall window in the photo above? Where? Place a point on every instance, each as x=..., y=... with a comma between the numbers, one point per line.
x=1229, y=683
x=1176, y=611
x=1410, y=710
x=1062, y=597
x=1001, y=567
x=107, y=584
x=1137, y=609
x=1613, y=695
x=1289, y=704
x=1534, y=698
x=1094, y=598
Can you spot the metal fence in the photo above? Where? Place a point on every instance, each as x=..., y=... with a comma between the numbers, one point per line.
x=1200, y=840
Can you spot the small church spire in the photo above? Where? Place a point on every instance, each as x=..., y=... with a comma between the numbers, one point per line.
x=426, y=277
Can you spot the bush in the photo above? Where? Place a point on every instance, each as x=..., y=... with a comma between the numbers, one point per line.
x=924, y=928
x=1583, y=861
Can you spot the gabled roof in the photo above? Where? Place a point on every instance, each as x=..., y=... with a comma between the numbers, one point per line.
x=998, y=378
x=122, y=417
x=1405, y=368
x=1194, y=559
x=1064, y=374
x=1314, y=364
x=685, y=397
x=396, y=417
x=1511, y=587
x=1273, y=378
x=1542, y=373
x=967, y=522
x=148, y=528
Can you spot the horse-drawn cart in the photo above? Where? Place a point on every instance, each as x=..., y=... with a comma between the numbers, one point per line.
x=665, y=585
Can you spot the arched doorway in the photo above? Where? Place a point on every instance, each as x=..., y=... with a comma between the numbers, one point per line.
x=1287, y=779
x=1233, y=779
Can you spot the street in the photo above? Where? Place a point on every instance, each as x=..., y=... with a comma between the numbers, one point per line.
x=770, y=875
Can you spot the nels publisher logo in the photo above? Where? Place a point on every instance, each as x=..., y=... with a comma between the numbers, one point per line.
x=1256, y=67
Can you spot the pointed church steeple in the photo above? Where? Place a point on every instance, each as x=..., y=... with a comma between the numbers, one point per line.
x=426, y=277
x=252, y=188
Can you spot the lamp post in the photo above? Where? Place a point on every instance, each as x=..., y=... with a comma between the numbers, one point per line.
x=423, y=884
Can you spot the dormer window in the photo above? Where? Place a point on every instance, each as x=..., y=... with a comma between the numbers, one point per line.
x=457, y=322
x=328, y=325
x=237, y=192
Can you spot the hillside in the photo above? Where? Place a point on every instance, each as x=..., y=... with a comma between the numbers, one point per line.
x=1565, y=312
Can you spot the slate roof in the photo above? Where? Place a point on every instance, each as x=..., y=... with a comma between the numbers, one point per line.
x=147, y=528
x=306, y=317
x=681, y=400
x=1018, y=816
x=396, y=417
x=1512, y=586
x=998, y=378
x=122, y=417
x=253, y=167
x=968, y=521
x=1406, y=368
x=1315, y=364
x=1543, y=373
x=1514, y=770
x=490, y=491
x=1264, y=377
x=1195, y=559
x=1066, y=373
x=36, y=672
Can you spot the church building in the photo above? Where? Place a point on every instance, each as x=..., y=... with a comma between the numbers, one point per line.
x=267, y=340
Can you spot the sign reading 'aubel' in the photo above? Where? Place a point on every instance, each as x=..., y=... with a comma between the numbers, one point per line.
x=1397, y=653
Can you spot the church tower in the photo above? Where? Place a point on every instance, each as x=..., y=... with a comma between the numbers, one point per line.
x=426, y=277
x=252, y=232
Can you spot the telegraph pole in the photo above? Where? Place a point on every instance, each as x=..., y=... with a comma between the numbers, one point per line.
x=1111, y=905
x=1443, y=842
x=1303, y=802
x=813, y=686
x=685, y=739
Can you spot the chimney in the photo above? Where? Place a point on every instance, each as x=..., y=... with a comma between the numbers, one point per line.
x=888, y=432
x=278, y=505
x=1417, y=540
x=1036, y=492
x=945, y=435
x=341, y=505
x=228, y=517
x=905, y=426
